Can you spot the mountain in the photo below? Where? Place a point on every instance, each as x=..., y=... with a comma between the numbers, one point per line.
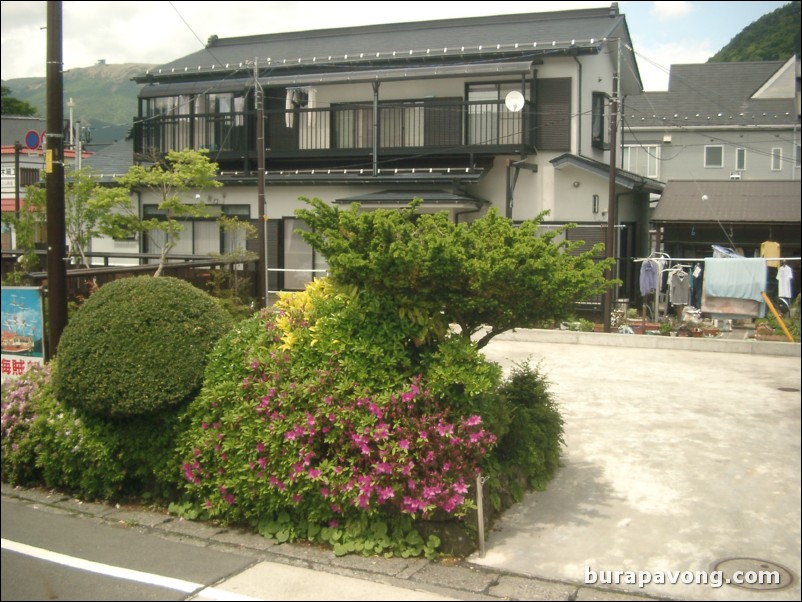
x=773, y=37
x=104, y=97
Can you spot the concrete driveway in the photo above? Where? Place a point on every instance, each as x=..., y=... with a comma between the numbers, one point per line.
x=678, y=462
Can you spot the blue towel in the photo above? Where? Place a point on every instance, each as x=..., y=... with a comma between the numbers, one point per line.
x=735, y=278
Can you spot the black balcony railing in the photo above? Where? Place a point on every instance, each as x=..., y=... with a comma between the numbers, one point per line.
x=449, y=126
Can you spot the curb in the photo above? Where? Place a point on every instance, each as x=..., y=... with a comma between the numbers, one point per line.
x=459, y=579
x=713, y=345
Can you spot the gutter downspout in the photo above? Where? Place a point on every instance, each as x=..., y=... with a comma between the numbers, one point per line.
x=375, y=128
x=579, y=111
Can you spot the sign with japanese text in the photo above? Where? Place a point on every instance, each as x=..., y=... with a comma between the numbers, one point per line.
x=23, y=330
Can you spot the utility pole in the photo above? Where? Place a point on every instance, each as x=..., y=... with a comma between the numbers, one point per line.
x=612, y=205
x=262, y=281
x=54, y=168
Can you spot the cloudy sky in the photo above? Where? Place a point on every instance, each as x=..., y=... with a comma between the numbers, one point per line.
x=158, y=32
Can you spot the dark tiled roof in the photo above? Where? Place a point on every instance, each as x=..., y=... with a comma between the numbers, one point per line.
x=112, y=161
x=715, y=94
x=403, y=197
x=405, y=43
x=746, y=201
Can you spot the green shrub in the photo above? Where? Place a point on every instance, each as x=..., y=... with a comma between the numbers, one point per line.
x=47, y=443
x=322, y=421
x=137, y=346
x=23, y=400
x=533, y=443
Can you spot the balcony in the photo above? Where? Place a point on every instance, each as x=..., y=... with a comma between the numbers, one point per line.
x=433, y=127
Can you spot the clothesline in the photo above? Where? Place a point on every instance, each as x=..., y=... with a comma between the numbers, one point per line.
x=697, y=259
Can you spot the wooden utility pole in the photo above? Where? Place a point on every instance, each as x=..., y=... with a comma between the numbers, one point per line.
x=54, y=169
x=612, y=204
x=262, y=280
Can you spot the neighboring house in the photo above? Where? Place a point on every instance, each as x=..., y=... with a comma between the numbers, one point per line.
x=717, y=121
x=507, y=111
x=725, y=138
x=23, y=143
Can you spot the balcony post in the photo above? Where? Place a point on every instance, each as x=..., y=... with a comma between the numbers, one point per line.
x=376, y=128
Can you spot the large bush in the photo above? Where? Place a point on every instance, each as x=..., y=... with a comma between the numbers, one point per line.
x=47, y=443
x=319, y=421
x=137, y=346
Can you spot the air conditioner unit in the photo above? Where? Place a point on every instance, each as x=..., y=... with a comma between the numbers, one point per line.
x=735, y=176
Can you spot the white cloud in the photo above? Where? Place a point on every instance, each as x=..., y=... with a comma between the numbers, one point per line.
x=655, y=61
x=670, y=11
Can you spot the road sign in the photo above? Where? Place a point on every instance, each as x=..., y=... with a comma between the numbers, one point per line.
x=32, y=139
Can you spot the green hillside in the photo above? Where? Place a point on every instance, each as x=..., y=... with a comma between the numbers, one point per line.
x=104, y=97
x=773, y=37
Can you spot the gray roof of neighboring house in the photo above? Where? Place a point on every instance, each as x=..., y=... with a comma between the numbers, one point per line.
x=112, y=161
x=746, y=201
x=425, y=42
x=404, y=197
x=14, y=128
x=711, y=94
x=623, y=178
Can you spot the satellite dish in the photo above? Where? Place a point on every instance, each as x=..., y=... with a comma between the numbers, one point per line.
x=514, y=101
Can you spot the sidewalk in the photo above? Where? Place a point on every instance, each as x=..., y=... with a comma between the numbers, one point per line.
x=314, y=573
x=680, y=454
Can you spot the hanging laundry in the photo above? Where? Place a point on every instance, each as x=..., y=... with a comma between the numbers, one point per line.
x=733, y=287
x=679, y=288
x=771, y=250
x=696, y=285
x=735, y=278
x=648, y=277
x=785, y=277
x=289, y=108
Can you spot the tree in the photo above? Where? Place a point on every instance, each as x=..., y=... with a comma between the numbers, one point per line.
x=178, y=173
x=26, y=224
x=88, y=210
x=14, y=106
x=487, y=273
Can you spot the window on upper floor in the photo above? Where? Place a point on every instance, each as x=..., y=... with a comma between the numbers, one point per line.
x=598, y=128
x=776, y=159
x=642, y=159
x=740, y=159
x=489, y=120
x=714, y=156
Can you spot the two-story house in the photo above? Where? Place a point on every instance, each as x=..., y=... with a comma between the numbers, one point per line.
x=725, y=139
x=507, y=111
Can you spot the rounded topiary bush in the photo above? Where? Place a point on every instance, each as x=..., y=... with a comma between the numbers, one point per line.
x=137, y=346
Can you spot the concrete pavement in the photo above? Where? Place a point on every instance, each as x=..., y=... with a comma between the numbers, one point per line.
x=682, y=456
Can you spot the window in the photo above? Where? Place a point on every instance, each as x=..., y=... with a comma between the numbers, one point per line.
x=776, y=159
x=714, y=156
x=740, y=159
x=798, y=155
x=299, y=258
x=598, y=131
x=643, y=160
x=489, y=121
x=201, y=236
